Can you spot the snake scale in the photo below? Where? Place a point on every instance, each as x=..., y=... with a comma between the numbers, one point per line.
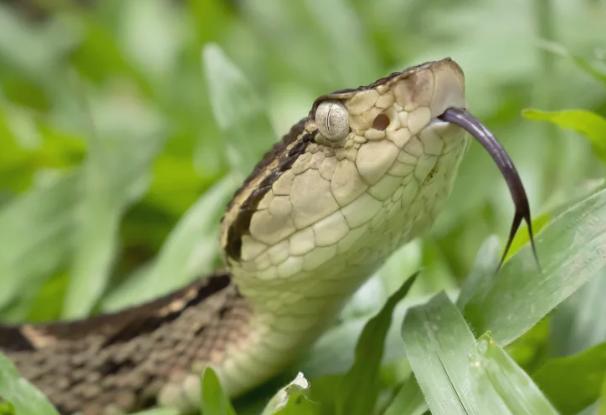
x=367, y=170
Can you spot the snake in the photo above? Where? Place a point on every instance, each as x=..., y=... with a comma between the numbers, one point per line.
x=367, y=170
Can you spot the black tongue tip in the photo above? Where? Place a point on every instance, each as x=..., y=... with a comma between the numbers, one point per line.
x=473, y=126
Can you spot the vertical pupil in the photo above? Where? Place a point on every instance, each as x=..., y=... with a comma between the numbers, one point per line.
x=381, y=122
x=328, y=123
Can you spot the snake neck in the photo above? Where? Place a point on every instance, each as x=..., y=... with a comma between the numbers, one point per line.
x=304, y=292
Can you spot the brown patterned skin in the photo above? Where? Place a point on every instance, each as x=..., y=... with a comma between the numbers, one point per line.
x=114, y=363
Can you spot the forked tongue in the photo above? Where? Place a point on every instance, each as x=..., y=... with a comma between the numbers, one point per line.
x=473, y=126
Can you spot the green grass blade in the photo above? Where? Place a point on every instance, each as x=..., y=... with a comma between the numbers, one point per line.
x=579, y=323
x=599, y=73
x=214, y=400
x=513, y=386
x=359, y=388
x=571, y=253
x=602, y=403
x=458, y=375
x=573, y=382
x=590, y=124
x=32, y=50
x=189, y=252
x=25, y=398
x=238, y=111
x=408, y=401
x=339, y=37
x=482, y=271
x=590, y=66
x=438, y=344
x=116, y=172
x=35, y=232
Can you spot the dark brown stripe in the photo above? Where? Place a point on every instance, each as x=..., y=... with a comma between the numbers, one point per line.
x=241, y=224
x=12, y=339
x=277, y=148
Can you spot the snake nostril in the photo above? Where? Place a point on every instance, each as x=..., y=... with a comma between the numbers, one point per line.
x=381, y=122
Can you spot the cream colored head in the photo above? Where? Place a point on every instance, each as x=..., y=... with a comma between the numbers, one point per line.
x=364, y=172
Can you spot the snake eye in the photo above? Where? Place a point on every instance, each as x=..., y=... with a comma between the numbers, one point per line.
x=332, y=120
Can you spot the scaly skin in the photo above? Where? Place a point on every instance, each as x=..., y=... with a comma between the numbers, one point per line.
x=317, y=216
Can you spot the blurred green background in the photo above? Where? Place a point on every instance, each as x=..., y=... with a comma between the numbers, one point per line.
x=126, y=125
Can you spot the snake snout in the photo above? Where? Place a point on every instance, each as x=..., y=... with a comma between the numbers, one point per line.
x=448, y=86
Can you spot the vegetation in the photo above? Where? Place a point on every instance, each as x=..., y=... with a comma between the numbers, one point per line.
x=125, y=126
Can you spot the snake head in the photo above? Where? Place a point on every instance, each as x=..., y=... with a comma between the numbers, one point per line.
x=410, y=99
x=365, y=171
x=376, y=121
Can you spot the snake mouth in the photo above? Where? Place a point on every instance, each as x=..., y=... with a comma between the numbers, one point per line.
x=464, y=119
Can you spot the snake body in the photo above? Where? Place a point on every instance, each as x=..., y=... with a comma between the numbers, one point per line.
x=367, y=170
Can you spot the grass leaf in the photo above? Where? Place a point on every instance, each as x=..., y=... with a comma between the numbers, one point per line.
x=579, y=323
x=25, y=398
x=359, y=388
x=214, y=400
x=571, y=253
x=438, y=344
x=514, y=387
x=482, y=271
x=237, y=109
x=602, y=403
x=408, y=401
x=590, y=124
x=599, y=73
x=573, y=382
x=35, y=234
x=461, y=376
x=115, y=175
x=189, y=251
